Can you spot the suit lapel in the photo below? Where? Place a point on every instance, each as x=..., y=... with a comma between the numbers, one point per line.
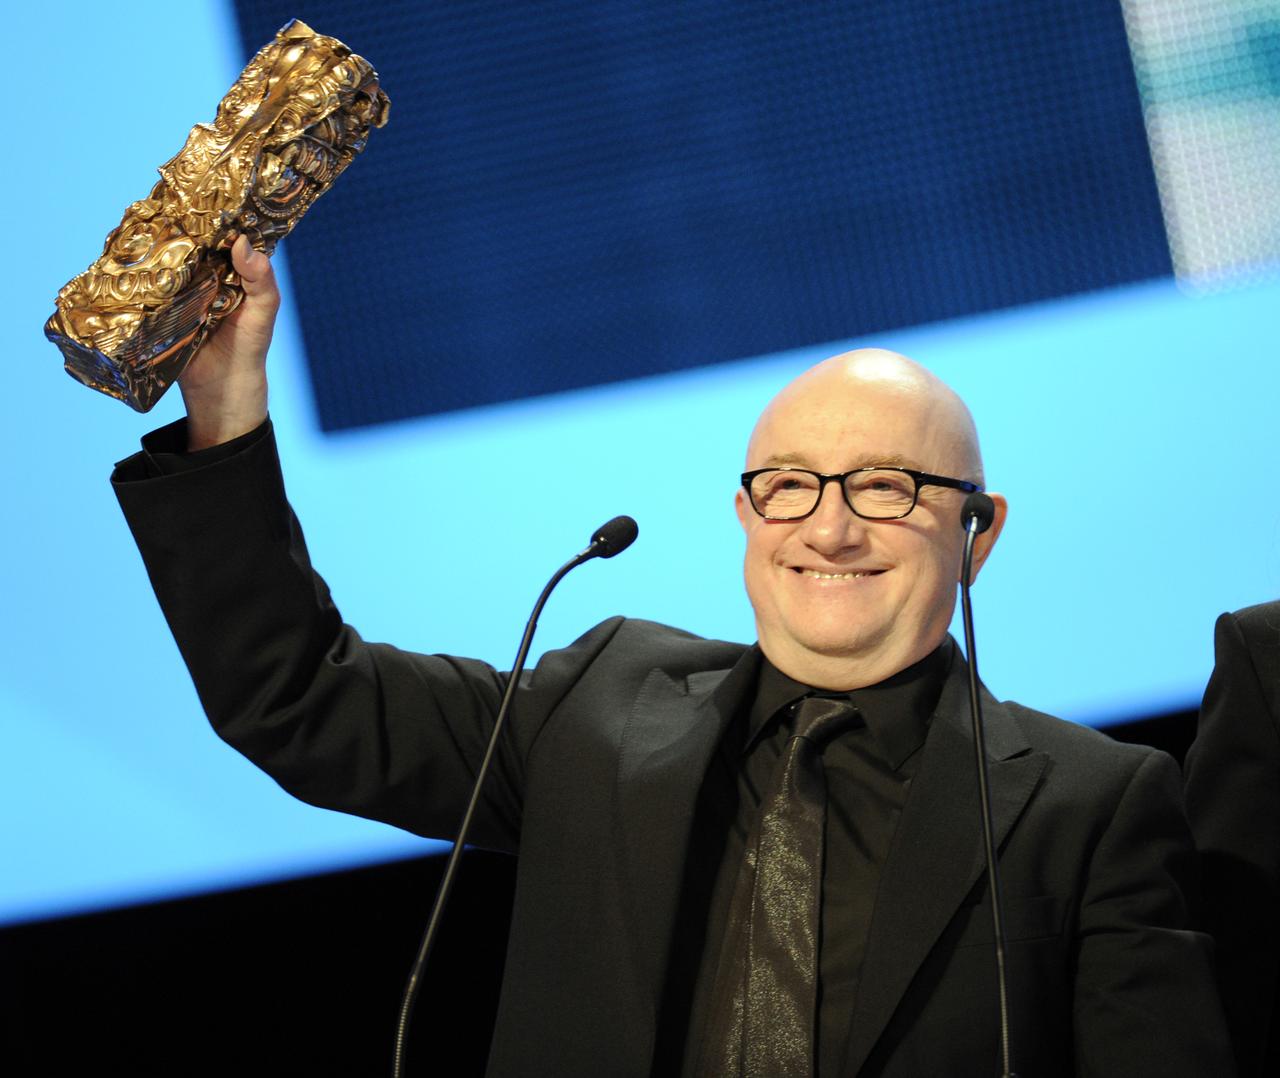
x=936, y=856
x=667, y=744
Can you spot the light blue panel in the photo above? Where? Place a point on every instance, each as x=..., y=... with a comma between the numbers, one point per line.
x=111, y=786
x=1130, y=430
x=1134, y=434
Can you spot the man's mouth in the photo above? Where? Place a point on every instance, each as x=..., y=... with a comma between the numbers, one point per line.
x=818, y=574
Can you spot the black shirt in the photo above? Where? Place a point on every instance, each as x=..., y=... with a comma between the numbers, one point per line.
x=869, y=772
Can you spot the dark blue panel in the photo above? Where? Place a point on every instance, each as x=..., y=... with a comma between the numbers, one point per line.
x=578, y=191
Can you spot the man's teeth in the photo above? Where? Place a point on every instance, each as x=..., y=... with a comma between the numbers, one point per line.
x=836, y=576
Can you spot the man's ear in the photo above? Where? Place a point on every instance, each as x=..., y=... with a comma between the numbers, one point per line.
x=983, y=543
x=743, y=509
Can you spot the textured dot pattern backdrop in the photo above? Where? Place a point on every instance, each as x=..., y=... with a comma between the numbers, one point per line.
x=1209, y=73
x=575, y=192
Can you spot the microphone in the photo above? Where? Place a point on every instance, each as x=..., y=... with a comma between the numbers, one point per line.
x=609, y=540
x=613, y=538
x=976, y=516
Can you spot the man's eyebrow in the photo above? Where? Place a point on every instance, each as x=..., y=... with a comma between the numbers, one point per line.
x=785, y=460
x=867, y=460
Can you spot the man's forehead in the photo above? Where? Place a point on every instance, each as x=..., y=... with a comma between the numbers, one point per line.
x=858, y=460
x=825, y=433
x=837, y=417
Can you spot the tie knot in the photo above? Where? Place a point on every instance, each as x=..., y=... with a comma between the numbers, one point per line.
x=821, y=719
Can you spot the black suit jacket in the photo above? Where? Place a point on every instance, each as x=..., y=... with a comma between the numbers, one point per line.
x=595, y=790
x=1233, y=797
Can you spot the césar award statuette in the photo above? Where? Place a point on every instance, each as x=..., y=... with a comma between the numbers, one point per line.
x=295, y=118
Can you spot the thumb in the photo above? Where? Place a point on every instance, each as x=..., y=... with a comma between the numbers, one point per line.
x=257, y=314
x=254, y=269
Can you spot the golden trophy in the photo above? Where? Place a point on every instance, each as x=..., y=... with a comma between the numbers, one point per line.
x=299, y=112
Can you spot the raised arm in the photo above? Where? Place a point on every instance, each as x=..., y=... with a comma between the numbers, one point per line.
x=363, y=728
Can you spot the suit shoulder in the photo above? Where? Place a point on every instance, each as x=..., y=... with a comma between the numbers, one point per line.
x=621, y=644
x=1260, y=624
x=674, y=650
x=1066, y=740
x=1096, y=774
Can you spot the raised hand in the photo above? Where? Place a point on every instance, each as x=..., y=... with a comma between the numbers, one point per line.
x=224, y=387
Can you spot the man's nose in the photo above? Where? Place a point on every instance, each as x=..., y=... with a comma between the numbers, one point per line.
x=833, y=525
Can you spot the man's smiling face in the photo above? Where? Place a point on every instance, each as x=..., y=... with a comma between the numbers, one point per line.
x=840, y=601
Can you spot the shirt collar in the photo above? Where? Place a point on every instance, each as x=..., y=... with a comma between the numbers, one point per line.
x=896, y=710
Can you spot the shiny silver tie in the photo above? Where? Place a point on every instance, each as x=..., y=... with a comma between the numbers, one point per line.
x=764, y=1002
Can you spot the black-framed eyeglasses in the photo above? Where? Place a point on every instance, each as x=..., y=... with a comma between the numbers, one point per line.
x=872, y=493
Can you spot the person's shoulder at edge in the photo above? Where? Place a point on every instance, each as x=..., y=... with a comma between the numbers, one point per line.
x=1262, y=619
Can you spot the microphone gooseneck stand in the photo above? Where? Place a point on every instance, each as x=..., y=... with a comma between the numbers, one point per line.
x=976, y=517
x=610, y=539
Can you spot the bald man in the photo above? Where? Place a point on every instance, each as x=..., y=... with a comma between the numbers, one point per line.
x=633, y=774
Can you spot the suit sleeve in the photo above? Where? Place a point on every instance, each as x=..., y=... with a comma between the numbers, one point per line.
x=1233, y=798
x=1145, y=1001
x=358, y=727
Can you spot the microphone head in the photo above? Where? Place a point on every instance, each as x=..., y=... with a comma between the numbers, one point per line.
x=977, y=507
x=614, y=537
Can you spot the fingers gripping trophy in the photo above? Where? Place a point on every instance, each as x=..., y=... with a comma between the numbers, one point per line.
x=183, y=259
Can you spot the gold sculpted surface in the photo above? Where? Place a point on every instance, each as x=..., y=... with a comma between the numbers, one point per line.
x=296, y=116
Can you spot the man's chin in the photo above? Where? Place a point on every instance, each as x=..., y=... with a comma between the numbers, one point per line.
x=815, y=658
x=843, y=640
